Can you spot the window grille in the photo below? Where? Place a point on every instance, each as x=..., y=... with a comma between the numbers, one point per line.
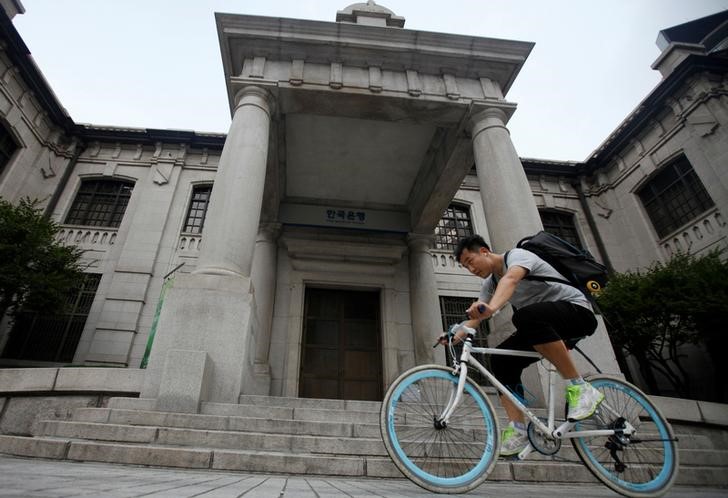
x=674, y=196
x=562, y=225
x=453, y=226
x=197, y=211
x=100, y=203
x=53, y=338
x=7, y=147
x=452, y=311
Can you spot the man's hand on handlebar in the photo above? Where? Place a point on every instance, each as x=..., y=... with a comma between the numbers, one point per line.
x=461, y=331
x=480, y=311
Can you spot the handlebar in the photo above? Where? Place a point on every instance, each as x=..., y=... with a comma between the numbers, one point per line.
x=481, y=309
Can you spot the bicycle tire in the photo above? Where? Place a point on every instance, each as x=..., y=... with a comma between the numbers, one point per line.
x=454, y=459
x=650, y=456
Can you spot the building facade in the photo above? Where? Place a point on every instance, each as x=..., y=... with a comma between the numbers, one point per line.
x=307, y=252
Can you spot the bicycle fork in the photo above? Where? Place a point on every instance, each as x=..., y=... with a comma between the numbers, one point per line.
x=456, y=395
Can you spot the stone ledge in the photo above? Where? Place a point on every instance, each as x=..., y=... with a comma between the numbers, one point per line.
x=116, y=380
x=688, y=410
x=714, y=413
x=27, y=379
x=74, y=380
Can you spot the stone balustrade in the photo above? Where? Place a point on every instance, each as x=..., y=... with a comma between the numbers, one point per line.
x=444, y=262
x=189, y=243
x=97, y=239
x=703, y=233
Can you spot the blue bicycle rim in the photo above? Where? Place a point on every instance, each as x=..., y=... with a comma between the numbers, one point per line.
x=488, y=454
x=665, y=473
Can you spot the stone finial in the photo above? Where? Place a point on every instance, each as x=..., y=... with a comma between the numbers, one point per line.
x=370, y=14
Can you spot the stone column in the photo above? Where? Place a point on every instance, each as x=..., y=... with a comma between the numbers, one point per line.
x=263, y=275
x=209, y=319
x=424, y=302
x=237, y=194
x=507, y=198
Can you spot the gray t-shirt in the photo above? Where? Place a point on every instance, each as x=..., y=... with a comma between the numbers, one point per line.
x=534, y=291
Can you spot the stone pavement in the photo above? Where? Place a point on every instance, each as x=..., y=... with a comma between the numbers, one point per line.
x=21, y=477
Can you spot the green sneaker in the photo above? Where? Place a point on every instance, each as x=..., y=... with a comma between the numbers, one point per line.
x=583, y=401
x=513, y=441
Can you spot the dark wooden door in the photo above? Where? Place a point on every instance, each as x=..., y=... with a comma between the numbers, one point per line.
x=341, y=356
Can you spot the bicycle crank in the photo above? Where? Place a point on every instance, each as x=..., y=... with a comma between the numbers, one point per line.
x=543, y=444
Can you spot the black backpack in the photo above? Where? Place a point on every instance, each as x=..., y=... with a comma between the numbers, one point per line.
x=578, y=266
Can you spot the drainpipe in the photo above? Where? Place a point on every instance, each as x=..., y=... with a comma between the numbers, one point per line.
x=593, y=225
x=80, y=147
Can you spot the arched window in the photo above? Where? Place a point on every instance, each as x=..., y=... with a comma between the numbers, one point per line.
x=674, y=196
x=453, y=226
x=100, y=203
x=197, y=210
x=560, y=224
x=7, y=147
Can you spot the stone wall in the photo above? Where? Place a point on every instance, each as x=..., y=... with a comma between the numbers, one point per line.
x=692, y=122
x=33, y=394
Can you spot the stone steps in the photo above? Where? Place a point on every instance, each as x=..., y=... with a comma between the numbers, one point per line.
x=292, y=435
x=226, y=423
x=307, y=464
x=282, y=442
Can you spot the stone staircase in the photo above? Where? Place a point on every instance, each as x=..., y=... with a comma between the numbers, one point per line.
x=297, y=436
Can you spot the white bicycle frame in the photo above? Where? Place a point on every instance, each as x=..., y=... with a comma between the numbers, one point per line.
x=563, y=431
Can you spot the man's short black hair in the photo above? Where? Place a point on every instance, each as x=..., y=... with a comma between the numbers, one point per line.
x=472, y=243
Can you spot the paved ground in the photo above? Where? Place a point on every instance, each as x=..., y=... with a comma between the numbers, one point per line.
x=22, y=477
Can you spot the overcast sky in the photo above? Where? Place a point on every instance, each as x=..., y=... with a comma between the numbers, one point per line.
x=156, y=63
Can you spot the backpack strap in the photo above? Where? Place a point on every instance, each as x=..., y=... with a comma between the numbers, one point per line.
x=548, y=279
x=505, y=261
x=534, y=277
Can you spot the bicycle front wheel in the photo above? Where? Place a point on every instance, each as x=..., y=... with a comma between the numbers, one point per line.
x=444, y=459
x=641, y=464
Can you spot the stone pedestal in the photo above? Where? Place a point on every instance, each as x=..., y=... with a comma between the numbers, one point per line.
x=185, y=381
x=207, y=314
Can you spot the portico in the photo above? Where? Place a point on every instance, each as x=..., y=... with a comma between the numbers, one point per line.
x=347, y=142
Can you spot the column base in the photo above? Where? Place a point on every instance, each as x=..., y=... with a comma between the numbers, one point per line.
x=211, y=314
x=261, y=380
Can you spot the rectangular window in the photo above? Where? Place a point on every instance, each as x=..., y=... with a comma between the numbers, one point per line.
x=198, y=209
x=53, y=338
x=100, y=203
x=674, y=196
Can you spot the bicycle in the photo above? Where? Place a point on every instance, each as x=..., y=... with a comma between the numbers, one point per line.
x=441, y=430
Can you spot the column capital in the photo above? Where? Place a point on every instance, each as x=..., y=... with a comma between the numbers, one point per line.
x=491, y=117
x=254, y=95
x=420, y=242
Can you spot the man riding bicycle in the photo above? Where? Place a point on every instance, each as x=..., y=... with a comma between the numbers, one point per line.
x=545, y=314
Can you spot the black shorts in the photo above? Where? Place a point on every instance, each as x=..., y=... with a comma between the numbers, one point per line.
x=540, y=323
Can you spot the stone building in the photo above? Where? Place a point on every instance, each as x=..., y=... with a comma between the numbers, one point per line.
x=309, y=250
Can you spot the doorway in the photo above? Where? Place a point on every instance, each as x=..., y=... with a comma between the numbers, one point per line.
x=341, y=355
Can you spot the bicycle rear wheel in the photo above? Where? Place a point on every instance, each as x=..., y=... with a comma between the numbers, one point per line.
x=643, y=464
x=451, y=459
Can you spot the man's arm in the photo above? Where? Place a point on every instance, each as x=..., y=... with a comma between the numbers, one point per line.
x=503, y=292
